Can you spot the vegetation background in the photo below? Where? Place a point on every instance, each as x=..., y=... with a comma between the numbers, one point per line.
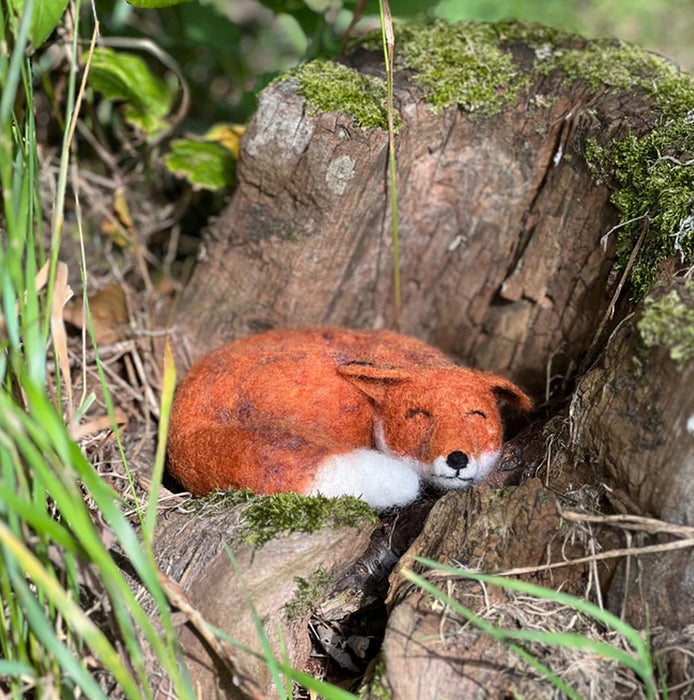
x=62, y=527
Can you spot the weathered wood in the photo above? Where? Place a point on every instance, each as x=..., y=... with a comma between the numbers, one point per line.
x=500, y=225
x=191, y=550
x=634, y=409
x=427, y=651
x=634, y=412
x=503, y=266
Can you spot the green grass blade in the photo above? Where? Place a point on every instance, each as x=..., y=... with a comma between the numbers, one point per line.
x=70, y=610
x=67, y=496
x=16, y=668
x=325, y=689
x=493, y=631
x=576, y=641
x=38, y=518
x=11, y=82
x=169, y=384
x=604, y=616
x=41, y=627
x=388, y=43
x=640, y=661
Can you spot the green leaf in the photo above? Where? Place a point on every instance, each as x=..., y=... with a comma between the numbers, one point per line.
x=156, y=4
x=45, y=16
x=206, y=165
x=126, y=77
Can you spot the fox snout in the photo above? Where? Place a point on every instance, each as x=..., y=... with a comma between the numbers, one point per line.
x=457, y=460
x=458, y=470
x=462, y=462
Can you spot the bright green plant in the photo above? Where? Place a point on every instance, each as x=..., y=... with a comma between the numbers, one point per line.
x=44, y=17
x=48, y=539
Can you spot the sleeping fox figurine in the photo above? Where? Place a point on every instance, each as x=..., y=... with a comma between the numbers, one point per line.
x=335, y=411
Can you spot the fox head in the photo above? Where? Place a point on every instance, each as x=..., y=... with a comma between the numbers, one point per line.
x=444, y=420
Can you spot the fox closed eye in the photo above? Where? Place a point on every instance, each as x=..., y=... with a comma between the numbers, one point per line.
x=417, y=412
x=476, y=413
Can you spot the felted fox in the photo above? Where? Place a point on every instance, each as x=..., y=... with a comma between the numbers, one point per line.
x=336, y=411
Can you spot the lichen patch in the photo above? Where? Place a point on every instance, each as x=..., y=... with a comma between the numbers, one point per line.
x=340, y=171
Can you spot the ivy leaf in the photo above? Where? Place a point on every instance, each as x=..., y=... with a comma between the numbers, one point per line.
x=206, y=165
x=45, y=17
x=126, y=77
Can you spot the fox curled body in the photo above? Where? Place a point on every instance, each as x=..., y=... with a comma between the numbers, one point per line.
x=334, y=411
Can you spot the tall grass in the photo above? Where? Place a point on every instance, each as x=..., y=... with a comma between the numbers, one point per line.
x=52, y=553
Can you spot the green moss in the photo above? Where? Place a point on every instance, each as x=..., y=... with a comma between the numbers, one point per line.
x=471, y=64
x=654, y=187
x=329, y=86
x=669, y=321
x=460, y=63
x=624, y=67
x=281, y=514
x=219, y=501
x=307, y=593
x=533, y=34
x=504, y=492
x=597, y=159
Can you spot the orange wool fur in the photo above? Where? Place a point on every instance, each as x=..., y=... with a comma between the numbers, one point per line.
x=335, y=411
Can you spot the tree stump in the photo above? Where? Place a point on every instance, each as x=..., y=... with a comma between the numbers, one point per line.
x=429, y=651
x=501, y=221
x=279, y=578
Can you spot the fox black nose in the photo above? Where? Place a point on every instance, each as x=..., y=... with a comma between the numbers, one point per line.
x=457, y=460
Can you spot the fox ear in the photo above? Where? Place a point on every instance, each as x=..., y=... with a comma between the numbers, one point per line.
x=504, y=390
x=371, y=379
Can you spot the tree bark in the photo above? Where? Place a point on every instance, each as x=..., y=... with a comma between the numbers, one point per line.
x=505, y=265
x=500, y=226
x=634, y=413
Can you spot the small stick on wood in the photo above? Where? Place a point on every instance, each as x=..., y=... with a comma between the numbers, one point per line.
x=221, y=647
x=610, y=554
x=610, y=309
x=631, y=522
